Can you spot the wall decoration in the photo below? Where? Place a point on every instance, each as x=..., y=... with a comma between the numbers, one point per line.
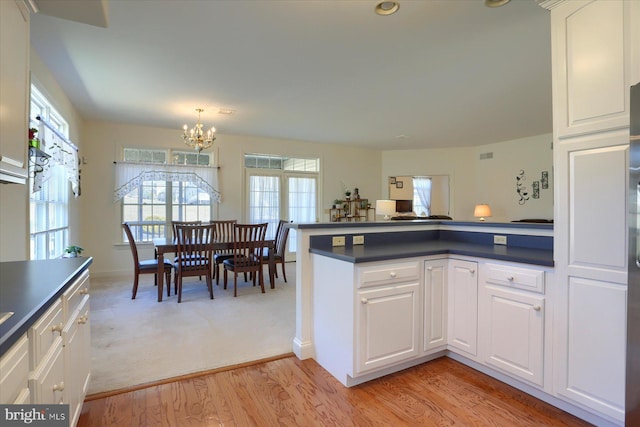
x=535, y=185
x=399, y=184
x=521, y=189
x=392, y=180
x=544, y=181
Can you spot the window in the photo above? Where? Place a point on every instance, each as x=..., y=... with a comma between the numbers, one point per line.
x=49, y=207
x=153, y=204
x=422, y=195
x=281, y=188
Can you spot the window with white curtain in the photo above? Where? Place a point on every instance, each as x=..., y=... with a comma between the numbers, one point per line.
x=422, y=195
x=48, y=207
x=150, y=206
x=281, y=188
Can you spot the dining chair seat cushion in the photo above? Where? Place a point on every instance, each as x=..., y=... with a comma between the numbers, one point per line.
x=244, y=262
x=218, y=258
x=152, y=264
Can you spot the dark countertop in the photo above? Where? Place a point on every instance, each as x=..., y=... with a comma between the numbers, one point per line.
x=422, y=222
x=28, y=288
x=369, y=253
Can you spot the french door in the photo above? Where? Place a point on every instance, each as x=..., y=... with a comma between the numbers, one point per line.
x=273, y=196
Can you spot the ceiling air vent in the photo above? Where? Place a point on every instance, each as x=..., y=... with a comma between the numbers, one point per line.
x=486, y=156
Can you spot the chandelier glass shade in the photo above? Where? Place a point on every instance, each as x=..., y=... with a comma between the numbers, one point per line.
x=196, y=138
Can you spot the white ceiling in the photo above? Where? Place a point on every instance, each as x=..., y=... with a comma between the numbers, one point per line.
x=438, y=73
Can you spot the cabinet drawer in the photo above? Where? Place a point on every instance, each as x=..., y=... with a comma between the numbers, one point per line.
x=46, y=383
x=14, y=372
x=515, y=277
x=44, y=332
x=73, y=296
x=388, y=273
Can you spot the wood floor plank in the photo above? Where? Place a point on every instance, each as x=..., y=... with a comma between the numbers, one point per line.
x=293, y=392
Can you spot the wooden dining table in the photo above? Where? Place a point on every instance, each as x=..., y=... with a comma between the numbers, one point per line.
x=163, y=246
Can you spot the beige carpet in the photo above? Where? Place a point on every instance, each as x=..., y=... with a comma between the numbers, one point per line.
x=138, y=341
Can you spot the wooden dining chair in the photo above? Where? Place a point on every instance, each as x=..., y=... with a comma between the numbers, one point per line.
x=174, y=233
x=224, y=233
x=279, y=248
x=194, y=254
x=148, y=266
x=247, y=256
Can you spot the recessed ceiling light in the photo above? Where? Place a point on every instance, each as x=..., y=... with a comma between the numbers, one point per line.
x=495, y=3
x=387, y=7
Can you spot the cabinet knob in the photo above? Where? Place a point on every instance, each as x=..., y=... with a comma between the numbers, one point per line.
x=510, y=278
x=57, y=328
x=59, y=386
x=537, y=307
x=83, y=319
x=84, y=291
x=472, y=271
x=364, y=300
x=429, y=268
x=392, y=274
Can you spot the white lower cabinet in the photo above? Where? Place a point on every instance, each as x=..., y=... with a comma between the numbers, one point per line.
x=387, y=325
x=77, y=363
x=14, y=373
x=512, y=320
x=47, y=381
x=435, y=305
x=591, y=336
x=463, y=306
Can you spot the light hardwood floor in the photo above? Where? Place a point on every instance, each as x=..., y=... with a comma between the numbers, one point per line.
x=293, y=392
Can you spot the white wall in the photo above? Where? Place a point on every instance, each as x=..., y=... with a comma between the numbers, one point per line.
x=491, y=181
x=341, y=164
x=14, y=198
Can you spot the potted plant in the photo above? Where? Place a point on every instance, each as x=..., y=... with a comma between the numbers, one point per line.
x=347, y=194
x=336, y=203
x=34, y=141
x=73, y=251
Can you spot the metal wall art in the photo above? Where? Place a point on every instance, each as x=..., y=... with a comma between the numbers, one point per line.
x=521, y=189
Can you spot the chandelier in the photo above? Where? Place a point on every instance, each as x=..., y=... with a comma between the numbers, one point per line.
x=196, y=138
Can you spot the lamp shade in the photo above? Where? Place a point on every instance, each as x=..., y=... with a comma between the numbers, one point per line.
x=482, y=211
x=386, y=208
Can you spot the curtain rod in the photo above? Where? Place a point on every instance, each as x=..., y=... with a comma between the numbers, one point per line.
x=169, y=164
x=58, y=134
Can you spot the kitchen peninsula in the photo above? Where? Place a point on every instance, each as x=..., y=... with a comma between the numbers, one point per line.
x=423, y=289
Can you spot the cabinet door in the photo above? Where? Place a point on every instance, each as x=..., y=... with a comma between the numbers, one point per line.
x=47, y=382
x=387, y=325
x=77, y=351
x=591, y=54
x=515, y=333
x=435, y=304
x=463, y=306
x=14, y=372
x=592, y=344
x=14, y=89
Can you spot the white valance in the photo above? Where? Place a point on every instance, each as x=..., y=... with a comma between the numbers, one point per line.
x=129, y=176
x=60, y=151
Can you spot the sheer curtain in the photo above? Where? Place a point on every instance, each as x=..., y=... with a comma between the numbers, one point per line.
x=130, y=175
x=302, y=203
x=422, y=194
x=264, y=201
x=61, y=152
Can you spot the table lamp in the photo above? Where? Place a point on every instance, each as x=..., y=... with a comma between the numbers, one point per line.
x=386, y=208
x=481, y=211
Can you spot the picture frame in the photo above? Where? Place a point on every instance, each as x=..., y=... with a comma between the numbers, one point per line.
x=399, y=184
x=392, y=180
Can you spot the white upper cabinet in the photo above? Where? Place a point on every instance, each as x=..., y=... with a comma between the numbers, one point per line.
x=591, y=48
x=14, y=91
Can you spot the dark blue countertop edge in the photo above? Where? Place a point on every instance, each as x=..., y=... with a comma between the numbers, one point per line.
x=360, y=254
x=28, y=288
x=366, y=224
